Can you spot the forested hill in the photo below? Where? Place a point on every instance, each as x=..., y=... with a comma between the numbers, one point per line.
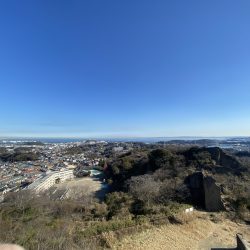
x=175, y=162
x=165, y=174
x=19, y=154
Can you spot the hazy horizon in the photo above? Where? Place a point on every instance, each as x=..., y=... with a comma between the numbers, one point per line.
x=122, y=137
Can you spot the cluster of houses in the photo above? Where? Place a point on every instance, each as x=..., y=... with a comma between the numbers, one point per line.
x=53, y=166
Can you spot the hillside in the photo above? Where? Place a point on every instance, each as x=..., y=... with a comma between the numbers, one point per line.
x=201, y=233
x=150, y=190
x=194, y=176
x=19, y=154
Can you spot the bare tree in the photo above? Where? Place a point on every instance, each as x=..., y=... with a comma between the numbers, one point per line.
x=144, y=188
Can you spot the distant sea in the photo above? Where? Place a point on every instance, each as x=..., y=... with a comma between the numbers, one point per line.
x=127, y=139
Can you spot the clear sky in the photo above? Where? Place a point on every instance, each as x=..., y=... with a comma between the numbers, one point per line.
x=124, y=68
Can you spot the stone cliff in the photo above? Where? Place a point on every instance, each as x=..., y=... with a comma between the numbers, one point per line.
x=205, y=192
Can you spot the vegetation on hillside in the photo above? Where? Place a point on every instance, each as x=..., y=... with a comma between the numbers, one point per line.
x=148, y=187
x=158, y=177
x=72, y=224
x=19, y=154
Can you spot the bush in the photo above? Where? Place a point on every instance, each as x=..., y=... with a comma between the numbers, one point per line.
x=107, y=226
x=242, y=208
x=119, y=204
x=144, y=188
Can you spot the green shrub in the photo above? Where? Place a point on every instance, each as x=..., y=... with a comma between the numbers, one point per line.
x=119, y=204
x=106, y=226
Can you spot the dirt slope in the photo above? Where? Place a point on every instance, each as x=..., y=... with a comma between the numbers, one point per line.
x=200, y=233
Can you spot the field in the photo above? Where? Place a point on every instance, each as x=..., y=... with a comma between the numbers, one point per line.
x=78, y=188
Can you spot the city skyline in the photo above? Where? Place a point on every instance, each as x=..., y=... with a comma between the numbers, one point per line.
x=124, y=69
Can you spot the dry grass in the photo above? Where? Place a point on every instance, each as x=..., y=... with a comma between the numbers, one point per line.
x=199, y=233
x=80, y=187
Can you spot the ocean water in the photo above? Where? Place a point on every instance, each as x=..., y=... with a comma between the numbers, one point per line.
x=127, y=139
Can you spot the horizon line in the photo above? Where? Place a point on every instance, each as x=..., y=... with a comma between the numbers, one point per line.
x=119, y=137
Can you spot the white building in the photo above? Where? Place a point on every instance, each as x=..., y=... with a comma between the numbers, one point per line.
x=51, y=179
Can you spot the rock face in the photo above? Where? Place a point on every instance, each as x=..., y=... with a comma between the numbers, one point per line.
x=195, y=184
x=205, y=192
x=223, y=159
x=214, y=159
x=242, y=244
x=212, y=192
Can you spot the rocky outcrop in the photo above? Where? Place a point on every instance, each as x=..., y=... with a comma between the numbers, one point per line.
x=214, y=159
x=223, y=159
x=195, y=184
x=205, y=192
x=212, y=195
x=242, y=244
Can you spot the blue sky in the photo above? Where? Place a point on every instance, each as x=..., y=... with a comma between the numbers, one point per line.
x=124, y=68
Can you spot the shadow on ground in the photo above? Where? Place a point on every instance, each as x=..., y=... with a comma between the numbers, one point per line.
x=100, y=194
x=224, y=248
